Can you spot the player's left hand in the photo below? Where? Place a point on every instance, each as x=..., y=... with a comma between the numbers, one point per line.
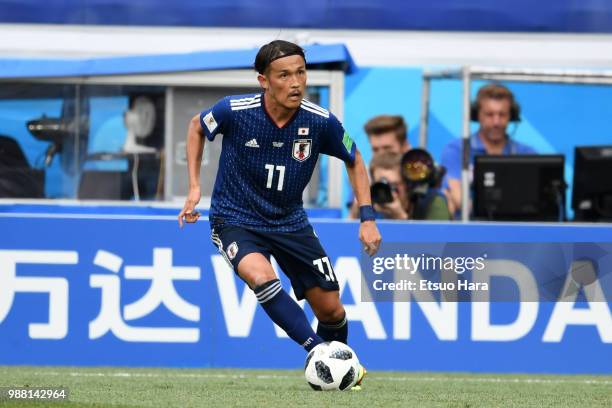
x=369, y=235
x=189, y=213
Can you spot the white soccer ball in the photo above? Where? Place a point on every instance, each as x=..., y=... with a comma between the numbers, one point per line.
x=331, y=366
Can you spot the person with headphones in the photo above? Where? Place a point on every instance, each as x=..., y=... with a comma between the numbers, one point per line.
x=495, y=107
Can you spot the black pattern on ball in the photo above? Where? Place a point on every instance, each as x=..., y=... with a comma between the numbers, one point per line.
x=308, y=359
x=315, y=387
x=348, y=379
x=323, y=372
x=341, y=354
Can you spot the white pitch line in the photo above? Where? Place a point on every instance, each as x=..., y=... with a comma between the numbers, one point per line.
x=90, y=216
x=496, y=380
x=373, y=377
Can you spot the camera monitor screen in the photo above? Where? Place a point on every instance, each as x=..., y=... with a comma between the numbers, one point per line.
x=592, y=187
x=519, y=188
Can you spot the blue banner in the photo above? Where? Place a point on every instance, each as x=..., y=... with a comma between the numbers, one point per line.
x=491, y=272
x=138, y=291
x=443, y=15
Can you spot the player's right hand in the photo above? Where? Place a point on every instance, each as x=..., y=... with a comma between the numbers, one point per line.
x=188, y=213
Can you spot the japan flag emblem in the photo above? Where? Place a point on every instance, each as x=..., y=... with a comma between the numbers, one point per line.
x=301, y=149
x=232, y=250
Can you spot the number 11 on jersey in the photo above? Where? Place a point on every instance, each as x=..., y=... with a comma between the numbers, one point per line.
x=281, y=176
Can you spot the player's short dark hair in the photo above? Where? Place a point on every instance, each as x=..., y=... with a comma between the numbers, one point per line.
x=273, y=51
x=387, y=123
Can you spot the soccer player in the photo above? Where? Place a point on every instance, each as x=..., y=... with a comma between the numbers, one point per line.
x=270, y=146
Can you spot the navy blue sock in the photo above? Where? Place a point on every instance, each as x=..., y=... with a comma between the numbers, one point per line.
x=330, y=331
x=286, y=313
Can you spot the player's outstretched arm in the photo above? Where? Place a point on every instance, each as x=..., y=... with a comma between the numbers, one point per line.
x=195, y=149
x=368, y=232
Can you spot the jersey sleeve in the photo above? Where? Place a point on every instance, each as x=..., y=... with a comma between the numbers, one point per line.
x=215, y=119
x=337, y=142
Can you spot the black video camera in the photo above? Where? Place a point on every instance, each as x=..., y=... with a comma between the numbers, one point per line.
x=382, y=191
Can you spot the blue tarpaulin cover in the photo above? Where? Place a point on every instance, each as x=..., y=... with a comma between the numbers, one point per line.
x=336, y=54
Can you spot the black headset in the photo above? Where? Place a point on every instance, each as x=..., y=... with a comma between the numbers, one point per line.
x=515, y=108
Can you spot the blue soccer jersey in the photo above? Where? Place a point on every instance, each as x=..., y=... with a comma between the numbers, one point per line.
x=264, y=169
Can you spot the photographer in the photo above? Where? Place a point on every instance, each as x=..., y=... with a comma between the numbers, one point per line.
x=423, y=179
x=388, y=191
x=386, y=134
x=407, y=186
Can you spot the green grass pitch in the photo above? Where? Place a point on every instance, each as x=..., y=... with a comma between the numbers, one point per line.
x=139, y=387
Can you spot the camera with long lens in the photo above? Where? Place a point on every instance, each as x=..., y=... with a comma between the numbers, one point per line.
x=419, y=171
x=382, y=191
x=422, y=178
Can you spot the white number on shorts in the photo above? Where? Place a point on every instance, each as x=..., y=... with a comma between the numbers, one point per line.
x=329, y=273
x=281, y=176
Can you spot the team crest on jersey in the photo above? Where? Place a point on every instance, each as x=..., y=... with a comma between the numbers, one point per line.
x=301, y=149
x=232, y=250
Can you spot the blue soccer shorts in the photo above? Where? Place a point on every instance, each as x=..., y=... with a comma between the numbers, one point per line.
x=298, y=253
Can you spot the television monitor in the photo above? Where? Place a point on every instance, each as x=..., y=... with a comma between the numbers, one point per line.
x=592, y=187
x=519, y=188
